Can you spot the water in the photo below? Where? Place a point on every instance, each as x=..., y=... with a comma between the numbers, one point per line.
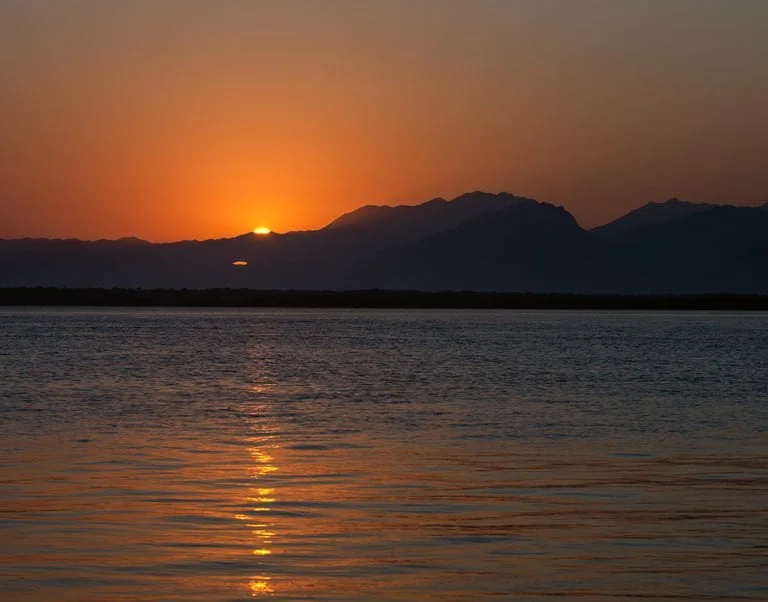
x=382, y=455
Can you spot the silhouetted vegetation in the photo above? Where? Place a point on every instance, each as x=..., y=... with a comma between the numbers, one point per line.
x=370, y=299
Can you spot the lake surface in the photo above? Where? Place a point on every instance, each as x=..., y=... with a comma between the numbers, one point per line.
x=382, y=455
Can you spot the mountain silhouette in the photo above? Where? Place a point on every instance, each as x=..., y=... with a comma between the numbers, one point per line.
x=477, y=241
x=650, y=216
x=430, y=217
x=528, y=246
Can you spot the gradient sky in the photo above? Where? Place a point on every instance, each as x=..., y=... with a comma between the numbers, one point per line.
x=170, y=119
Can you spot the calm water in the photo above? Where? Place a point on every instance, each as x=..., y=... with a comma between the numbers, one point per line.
x=382, y=455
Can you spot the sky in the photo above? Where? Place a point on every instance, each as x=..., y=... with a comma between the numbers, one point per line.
x=181, y=119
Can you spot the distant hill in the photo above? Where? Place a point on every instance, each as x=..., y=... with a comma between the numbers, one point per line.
x=526, y=247
x=432, y=216
x=383, y=227
x=477, y=241
x=715, y=234
x=650, y=215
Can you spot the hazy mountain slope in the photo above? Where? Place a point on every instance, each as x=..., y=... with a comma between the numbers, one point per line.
x=71, y=262
x=714, y=235
x=75, y=263
x=424, y=219
x=650, y=215
x=744, y=274
x=526, y=247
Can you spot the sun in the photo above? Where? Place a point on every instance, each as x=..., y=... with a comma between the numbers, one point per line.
x=262, y=230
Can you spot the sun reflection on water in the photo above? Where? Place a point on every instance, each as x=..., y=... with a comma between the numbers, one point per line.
x=265, y=462
x=262, y=388
x=260, y=500
x=264, y=534
x=262, y=496
x=260, y=586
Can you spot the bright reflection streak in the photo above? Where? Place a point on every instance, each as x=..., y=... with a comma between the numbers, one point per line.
x=261, y=497
x=262, y=388
x=260, y=586
x=264, y=460
x=264, y=534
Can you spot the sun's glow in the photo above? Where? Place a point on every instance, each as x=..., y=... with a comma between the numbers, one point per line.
x=240, y=263
x=262, y=230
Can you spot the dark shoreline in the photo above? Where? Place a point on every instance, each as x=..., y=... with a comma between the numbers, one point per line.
x=371, y=299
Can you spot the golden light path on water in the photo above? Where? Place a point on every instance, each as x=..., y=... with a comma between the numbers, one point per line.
x=382, y=456
x=262, y=530
x=259, y=502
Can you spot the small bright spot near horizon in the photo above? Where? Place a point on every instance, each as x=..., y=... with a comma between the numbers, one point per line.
x=240, y=263
x=261, y=230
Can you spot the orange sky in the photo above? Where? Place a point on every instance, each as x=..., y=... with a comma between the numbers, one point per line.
x=171, y=119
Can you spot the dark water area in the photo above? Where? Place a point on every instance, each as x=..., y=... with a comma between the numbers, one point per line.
x=404, y=455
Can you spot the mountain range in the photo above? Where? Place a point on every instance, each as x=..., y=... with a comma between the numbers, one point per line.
x=477, y=241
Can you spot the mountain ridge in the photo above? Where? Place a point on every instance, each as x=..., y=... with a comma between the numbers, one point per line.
x=340, y=221
x=476, y=241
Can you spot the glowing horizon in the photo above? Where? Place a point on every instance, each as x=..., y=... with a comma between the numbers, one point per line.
x=117, y=125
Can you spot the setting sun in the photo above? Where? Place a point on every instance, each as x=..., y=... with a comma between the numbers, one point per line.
x=261, y=230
